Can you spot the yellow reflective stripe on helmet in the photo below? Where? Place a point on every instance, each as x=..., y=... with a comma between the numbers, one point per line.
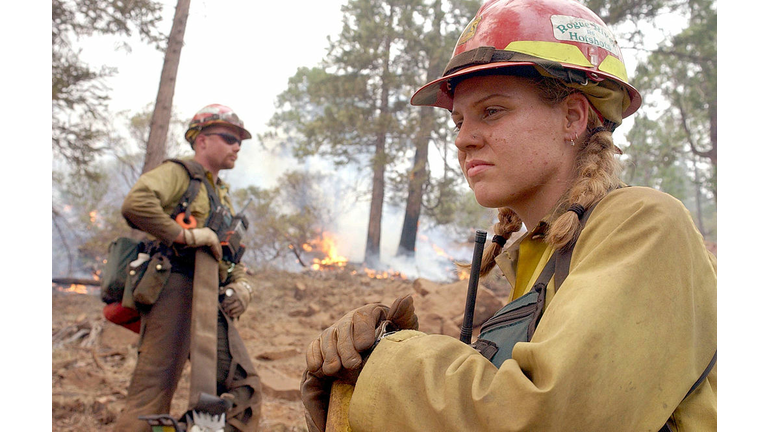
x=566, y=53
x=555, y=51
x=612, y=65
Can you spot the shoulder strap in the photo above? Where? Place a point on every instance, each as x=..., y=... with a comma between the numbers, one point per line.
x=196, y=179
x=559, y=266
x=703, y=375
x=696, y=385
x=562, y=257
x=560, y=262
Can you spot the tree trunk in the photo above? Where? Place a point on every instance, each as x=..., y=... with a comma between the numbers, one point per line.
x=373, y=242
x=416, y=181
x=418, y=176
x=697, y=185
x=158, y=129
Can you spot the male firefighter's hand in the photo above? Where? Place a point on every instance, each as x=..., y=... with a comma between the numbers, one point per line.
x=237, y=296
x=336, y=354
x=197, y=237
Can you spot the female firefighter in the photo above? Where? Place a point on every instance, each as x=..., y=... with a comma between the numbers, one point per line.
x=621, y=339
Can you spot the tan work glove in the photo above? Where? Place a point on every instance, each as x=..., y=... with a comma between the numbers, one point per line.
x=338, y=352
x=237, y=297
x=197, y=237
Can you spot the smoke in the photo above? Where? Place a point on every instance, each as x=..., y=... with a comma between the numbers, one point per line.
x=346, y=194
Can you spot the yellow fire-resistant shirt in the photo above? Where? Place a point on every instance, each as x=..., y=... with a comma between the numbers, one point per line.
x=630, y=330
x=154, y=197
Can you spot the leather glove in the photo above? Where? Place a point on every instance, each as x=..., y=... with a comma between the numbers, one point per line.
x=197, y=237
x=338, y=352
x=237, y=297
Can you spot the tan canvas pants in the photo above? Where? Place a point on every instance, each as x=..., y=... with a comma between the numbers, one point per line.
x=163, y=352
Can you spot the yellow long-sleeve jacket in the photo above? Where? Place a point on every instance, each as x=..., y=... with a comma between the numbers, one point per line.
x=155, y=195
x=618, y=347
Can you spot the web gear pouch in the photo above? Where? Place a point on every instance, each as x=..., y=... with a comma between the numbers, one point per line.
x=513, y=323
x=147, y=277
x=517, y=320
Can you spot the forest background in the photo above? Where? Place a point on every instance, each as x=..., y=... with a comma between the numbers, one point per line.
x=98, y=152
x=343, y=158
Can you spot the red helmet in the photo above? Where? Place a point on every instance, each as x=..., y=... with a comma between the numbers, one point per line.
x=560, y=38
x=211, y=115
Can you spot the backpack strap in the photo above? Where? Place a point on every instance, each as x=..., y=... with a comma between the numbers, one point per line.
x=197, y=178
x=703, y=375
x=696, y=385
x=560, y=264
x=562, y=257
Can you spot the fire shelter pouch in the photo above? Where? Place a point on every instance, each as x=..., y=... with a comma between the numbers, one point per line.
x=513, y=323
x=148, y=278
x=122, y=251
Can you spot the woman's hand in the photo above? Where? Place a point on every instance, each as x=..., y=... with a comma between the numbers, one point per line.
x=339, y=351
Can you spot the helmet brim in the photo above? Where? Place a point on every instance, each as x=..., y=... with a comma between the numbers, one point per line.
x=437, y=93
x=244, y=134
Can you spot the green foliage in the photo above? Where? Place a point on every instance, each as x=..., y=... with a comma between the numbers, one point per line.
x=86, y=218
x=285, y=218
x=340, y=108
x=321, y=114
x=673, y=141
x=618, y=11
x=79, y=94
x=354, y=107
x=86, y=208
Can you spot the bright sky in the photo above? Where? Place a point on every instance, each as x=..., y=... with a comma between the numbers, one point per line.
x=237, y=53
x=241, y=54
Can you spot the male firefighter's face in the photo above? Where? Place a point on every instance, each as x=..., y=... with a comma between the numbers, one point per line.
x=218, y=145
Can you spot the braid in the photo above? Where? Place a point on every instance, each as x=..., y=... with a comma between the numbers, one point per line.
x=508, y=223
x=598, y=170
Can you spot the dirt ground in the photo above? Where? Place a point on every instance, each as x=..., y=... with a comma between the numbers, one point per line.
x=92, y=359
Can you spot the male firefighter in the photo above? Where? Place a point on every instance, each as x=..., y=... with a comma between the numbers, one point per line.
x=216, y=134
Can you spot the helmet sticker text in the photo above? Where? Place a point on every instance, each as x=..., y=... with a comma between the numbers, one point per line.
x=568, y=28
x=470, y=30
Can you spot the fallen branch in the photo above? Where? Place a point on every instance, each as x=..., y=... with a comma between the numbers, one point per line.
x=76, y=281
x=96, y=359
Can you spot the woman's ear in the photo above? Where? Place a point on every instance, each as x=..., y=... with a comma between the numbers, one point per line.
x=576, y=113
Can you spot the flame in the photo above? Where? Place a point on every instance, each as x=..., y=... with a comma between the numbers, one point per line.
x=74, y=288
x=440, y=251
x=462, y=274
x=332, y=259
x=92, y=215
x=331, y=256
x=388, y=274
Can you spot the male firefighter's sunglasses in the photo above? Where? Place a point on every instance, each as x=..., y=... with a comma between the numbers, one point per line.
x=228, y=138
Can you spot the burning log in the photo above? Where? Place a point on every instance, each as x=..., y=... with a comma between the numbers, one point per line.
x=76, y=281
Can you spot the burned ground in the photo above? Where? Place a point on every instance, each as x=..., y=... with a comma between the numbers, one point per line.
x=92, y=359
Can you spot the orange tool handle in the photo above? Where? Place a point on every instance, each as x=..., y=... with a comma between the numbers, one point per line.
x=186, y=225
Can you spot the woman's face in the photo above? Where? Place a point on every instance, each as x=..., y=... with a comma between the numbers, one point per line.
x=514, y=149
